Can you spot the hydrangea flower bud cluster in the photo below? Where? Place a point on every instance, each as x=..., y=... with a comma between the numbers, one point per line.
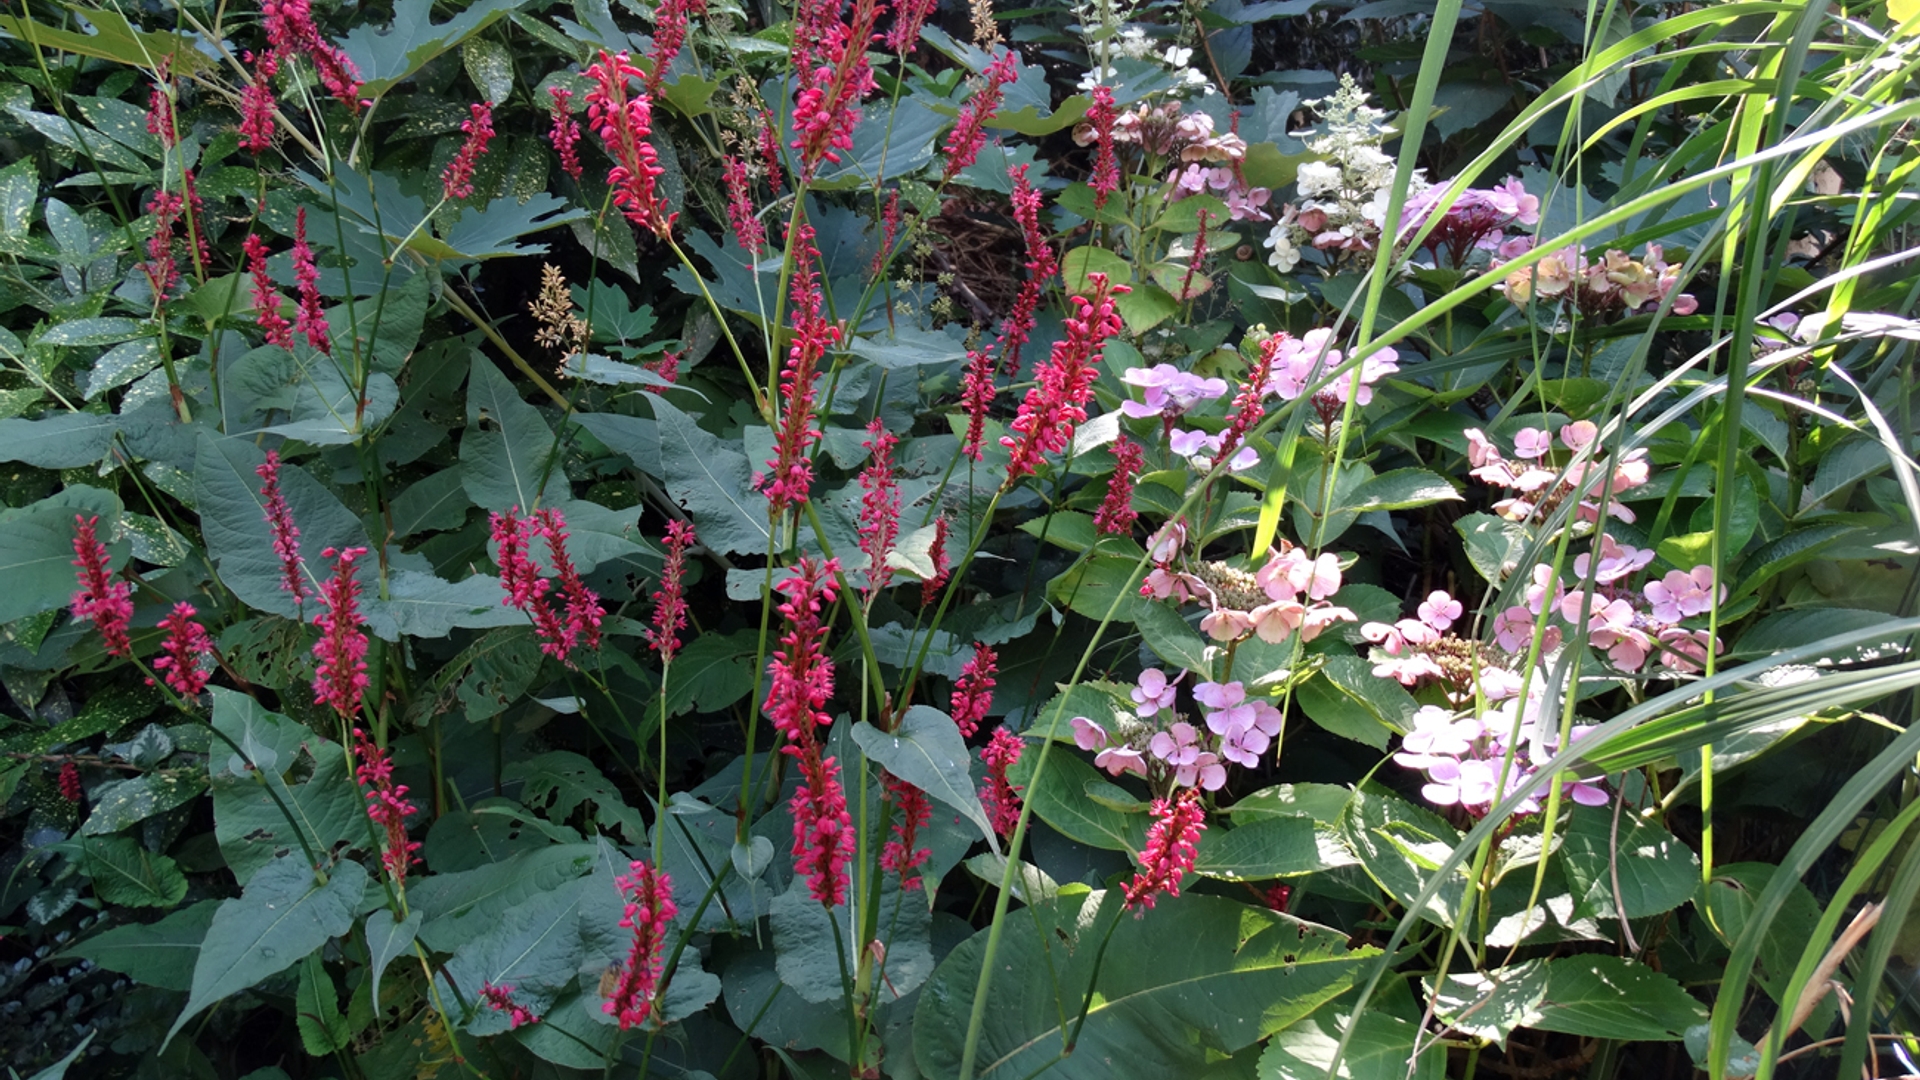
x=1539, y=489
x=1478, y=220
x=1244, y=202
x=649, y=914
x=1462, y=756
x=1603, y=290
x=1344, y=193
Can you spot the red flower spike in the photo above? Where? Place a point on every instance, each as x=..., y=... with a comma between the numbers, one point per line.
x=340, y=677
x=160, y=118
x=889, y=233
x=70, y=787
x=266, y=299
x=969, y=132
x=186, y=649
x=670, y=20
x=624, y=121
x=802, y=681
x=830, y=58
x=977, y=390
x=291, y=32
x=161, y=271
x=973, y=690
x=311, y=317
x=908, y=17
x=565, y=133
x=649, y=914
x=1249, y=404
x=1172, y=842
x=1000, y=799
x=789, y=481
x=740, y=214
x=669, y=603
x=456, y=180
x=1042, y=267
x=911, y=813
x=387, y=805
x=500, y=999
x=1058, y=402
x=1117, y=514
x=286, y=536
x=580, y=623
x=936, y=551
x=257, y=105
x=1106, y=168
x=102, y=599
x=879, y=523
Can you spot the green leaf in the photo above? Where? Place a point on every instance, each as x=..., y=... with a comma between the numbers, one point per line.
x=502, y=665
x=385, y=58
x=1380, y=1046
x=805, y=943
x=317, y=1010
x=58, y=442
x=1400, y=845
x=437, y=502
x=1091, y=586
x=1346, y=698
x=233, y=521
x=1082, y=261
x=1493, y=544
x=1145, y=307
x=1059, y=796
x=1603, y=997
x=285, y=913
x=489, y=233
x=1238, y=975
x=490, y=65
x=927, y=751
x=36, y=549
x=461, y=906
x=161, y=954
x=1262, y=849
x=251, y=826
x=425, y=605
x=909, y=346
x=1401, y=489
x=129, y=875
x=1169, y=636
x=712, y=672
x=97, y=331
x=387, y=938
x=506, y=448
x=712, y=481
x=1656, y=872
x=138, y=798
x=560, y=782
x=1184, y=215
x=113, y=38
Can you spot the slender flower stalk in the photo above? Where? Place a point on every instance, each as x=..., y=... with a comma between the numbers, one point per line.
x=942, y=567
x=669, y=602
x=802, y=681
x=286, y=535
x=973, y=690
x=565, y=132
x=789, y=481
x=1106, y=167
x=340, y=677
x=1117, y=515
x=624, y=122
x=1057, y=404
x=185, y=652
x=969, y=132
x=1172, y=842
x=104, y=600
x=274, y=326
x=456, y=180
x=311, y=317
x=649, y=914
x=911, y=813
x=879, y=523
x=500, y=999
x=387, y=804
x=998, y=797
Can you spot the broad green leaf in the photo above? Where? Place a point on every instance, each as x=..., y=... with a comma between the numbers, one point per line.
x=805, y=943
x=1261, y=849
x=1091, y=586
x=424, y=605
x=1077, y=264
x=58, y=442
x=459, y=907
x=138, y=798
x=126, y=874
x=560, y=782
x=711, y=672
x=106, y=330
x=113, y=38
x=909, y=346
x=1237, y=975
x=1379, y=1048
x=430, y=505
x=1146, y=306
x=36, y=549
x=502, y=665
x=385, y=58
x=1494, y=545
x=490, y=65
x=1346, y=699
x=317, y=1010
x=1604, y=997
x=1059, y=796
x=1401, y=489
x=119, y=366
x=1400, y=845
x=1655, y=872
x=490, y=233
x=757, y=1000
x=252, y=826
x=19, y=194
x=886, y=143
x=387, y=938
x=712, y=480
x=161, y=954
x=233, y=521
x=285, y=913
x=506, y=448
x=1169, y=636
x=927, y=751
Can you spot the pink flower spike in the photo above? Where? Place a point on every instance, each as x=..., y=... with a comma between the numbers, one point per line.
x=649, y=914
x=500, y=999
x=580, y=621
x=340, y=677
x=879, y=522
x=565, y=132
x=912, y=813
x=669, y=603
x=740, y=213
x=969, y=131
x=286, y=535
x=999, y=797
x=976, y=397
x=973, y=690
x=187, y=649
x=789, y=480
x=257, y=105
x=456, y=180
x=1172, y=843
x=670, y=20
x=624, y=122
x=1106, y=168
x=266, y=299
x=937, y=552
x=1117, y=515
x=103, y=600
x=1057, y=404
x=387, y=804
x=311, y=317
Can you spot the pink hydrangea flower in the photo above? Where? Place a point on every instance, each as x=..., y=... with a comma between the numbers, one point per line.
x=1680, y=596
x=1154, y=691
x=1439, y=610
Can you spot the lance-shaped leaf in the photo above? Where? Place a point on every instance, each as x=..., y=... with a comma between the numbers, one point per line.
x=233, y=519
x=159, y=954
x=1238, y=974
x=506, y=449
x=285, y=913
x=36, y=549
x=387, y=938
x=713, y=481
x=806, y=945
x=927, y=751
x=58, y=442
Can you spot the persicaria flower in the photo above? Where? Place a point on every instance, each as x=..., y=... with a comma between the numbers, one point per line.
x=976, y=397
x=998, y=797
x=104, y=600
x=740, y=214
x=1106, y=168
x=291, y=32
x=789, y=479
x=823, y=838
x=830, y=59
x=1042, y=267
x=670, y=19
x=912, y=812
x=1052, y=409
x=456, y=180
x=341, y=674
x=70, y=787
x=286, y=535
x=500, y=999
x=649, y=914
x=266, y=299
x=802, y=681
x=562, y=626
x=583, y=611
x=669, y=603
x=311, y=317
x=1117, y=515
x=257, y=104
x=185, y=652
x=387, y=803
x=908, y=17
x=565, y=132
x=624, y=121
x=973, y=691
x=879, y=524
x=160, y=118
x=937, y=554
x=1173, y=841
x=969, y=131
x=161, y=270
